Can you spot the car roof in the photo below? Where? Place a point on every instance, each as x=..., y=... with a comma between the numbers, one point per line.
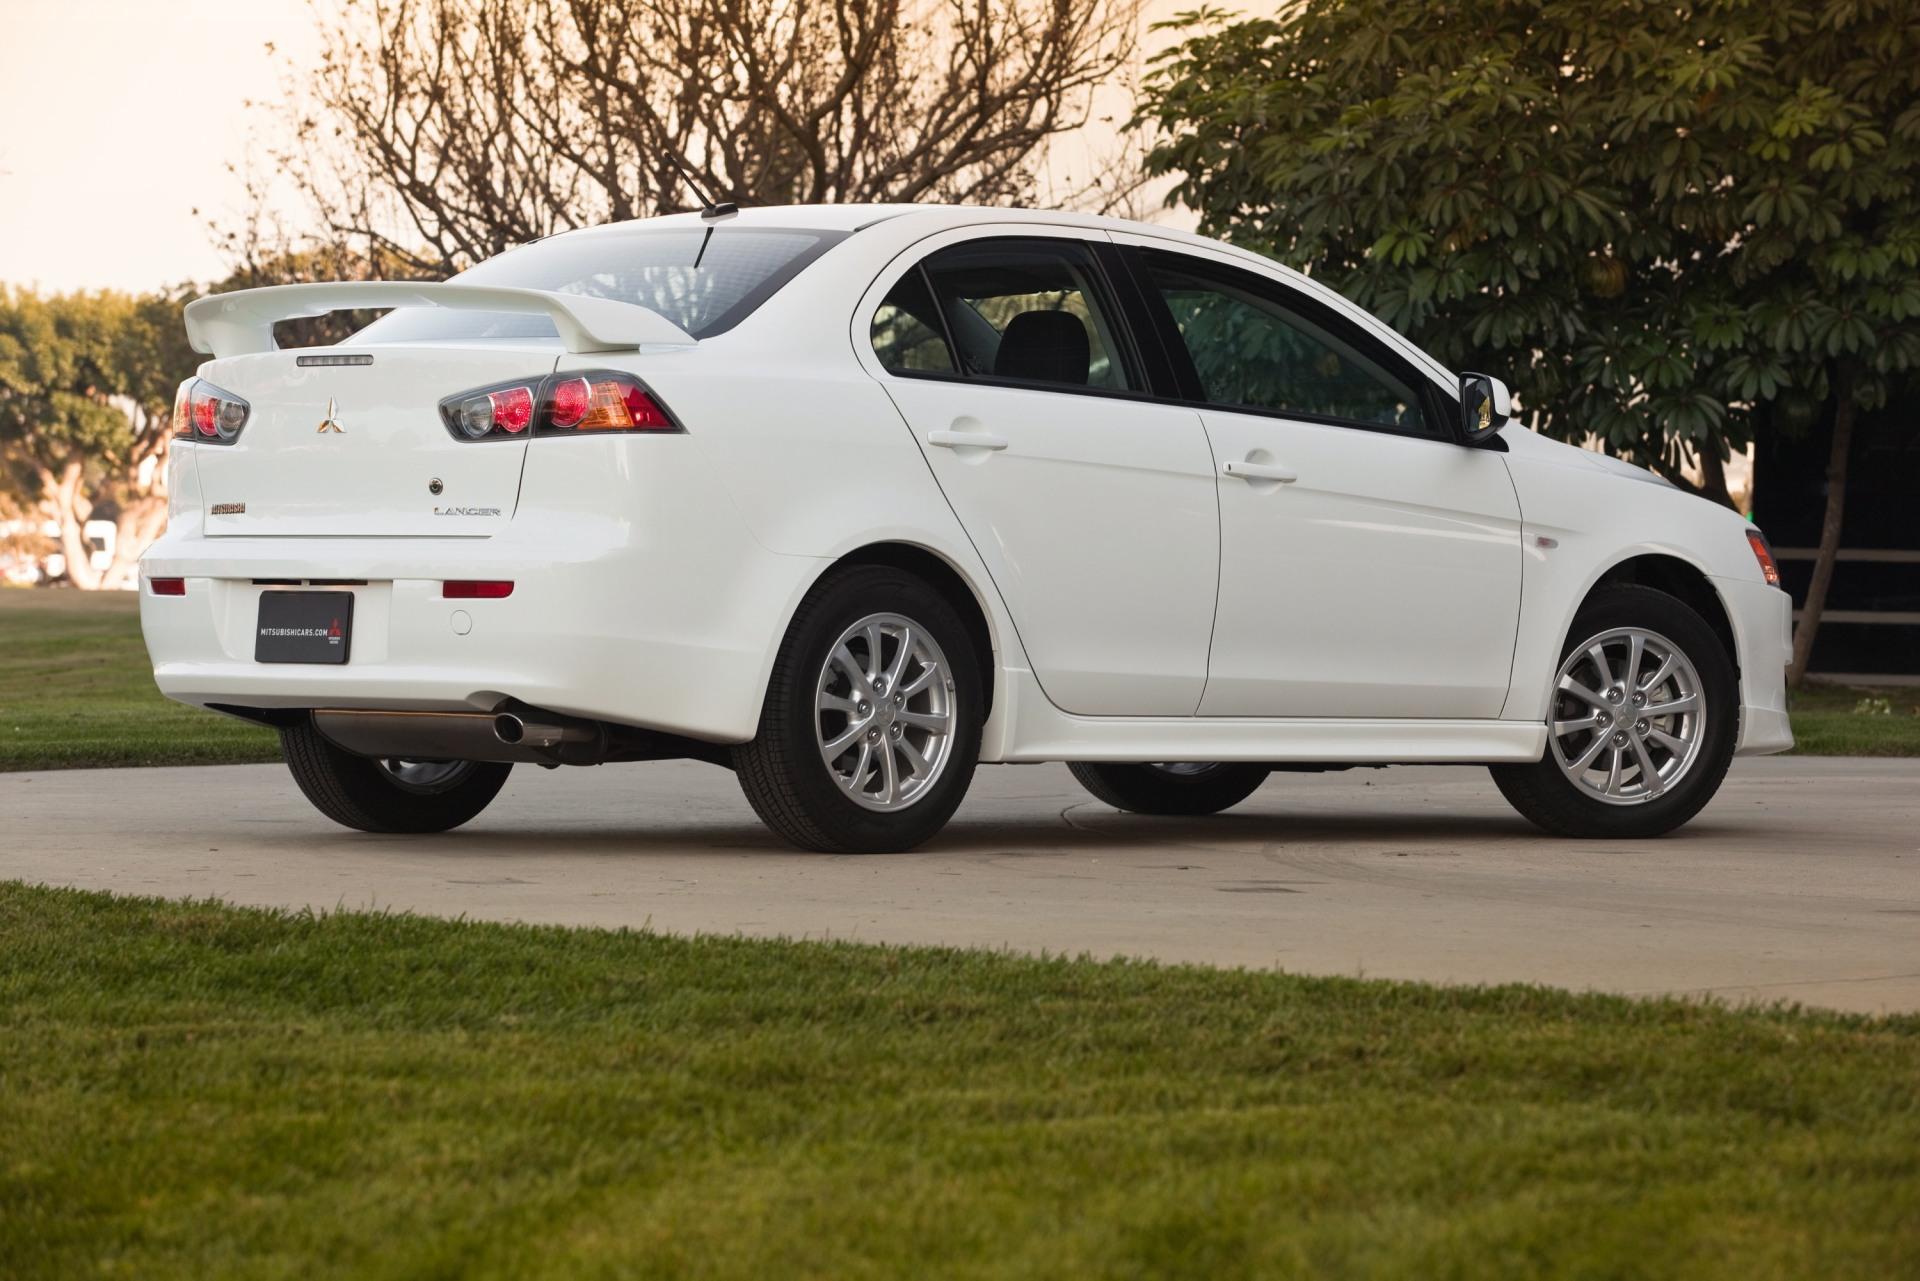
x=854, y=217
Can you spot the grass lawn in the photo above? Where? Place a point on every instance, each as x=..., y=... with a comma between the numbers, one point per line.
x=1839, y=720
x=75, y=689
x=189, y=1090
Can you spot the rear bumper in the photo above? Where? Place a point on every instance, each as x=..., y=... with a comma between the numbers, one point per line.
x=601, y=624
x=1762, y=618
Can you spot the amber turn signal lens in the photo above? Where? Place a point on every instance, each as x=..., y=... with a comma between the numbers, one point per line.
x=1764, y=554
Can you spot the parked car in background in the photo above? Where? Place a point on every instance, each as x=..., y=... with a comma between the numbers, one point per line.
x=850, y=499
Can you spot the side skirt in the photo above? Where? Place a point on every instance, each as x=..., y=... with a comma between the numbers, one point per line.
x=1039, y=731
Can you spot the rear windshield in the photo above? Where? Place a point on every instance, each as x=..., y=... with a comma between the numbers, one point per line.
x=704, y=279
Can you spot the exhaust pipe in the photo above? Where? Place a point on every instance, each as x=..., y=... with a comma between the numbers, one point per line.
x=515, y=730
x=515, y=733
x=512, y=732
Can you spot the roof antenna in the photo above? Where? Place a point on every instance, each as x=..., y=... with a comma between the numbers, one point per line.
x=709, y=207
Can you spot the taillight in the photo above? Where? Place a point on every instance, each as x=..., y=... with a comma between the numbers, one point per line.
x=602, y=402
x=168, y=586
x=491, y=413
x=203, y=412
x=1764, y=554
x=563, y=404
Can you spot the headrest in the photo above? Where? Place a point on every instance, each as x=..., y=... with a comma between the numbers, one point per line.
x=1044, y=346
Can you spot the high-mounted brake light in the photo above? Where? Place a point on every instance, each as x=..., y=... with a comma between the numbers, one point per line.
x=1764, y=554
x=203, y=412
x=564, y=404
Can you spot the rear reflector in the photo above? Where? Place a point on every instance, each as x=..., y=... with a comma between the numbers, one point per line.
x=168, y=586
x=476, y=588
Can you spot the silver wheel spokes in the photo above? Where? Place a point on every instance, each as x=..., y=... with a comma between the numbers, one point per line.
x=883, y=711
x=1628, y=715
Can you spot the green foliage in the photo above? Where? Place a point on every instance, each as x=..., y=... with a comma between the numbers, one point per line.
x=191, y=1090
x=66, y=358
x=1655, y=217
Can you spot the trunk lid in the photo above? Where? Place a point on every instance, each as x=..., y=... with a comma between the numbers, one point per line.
x=356, y=449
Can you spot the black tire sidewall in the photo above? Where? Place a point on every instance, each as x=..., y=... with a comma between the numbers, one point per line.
x=828, y=819
x=1542, y=791
x=1142, y=789
x=356, y=792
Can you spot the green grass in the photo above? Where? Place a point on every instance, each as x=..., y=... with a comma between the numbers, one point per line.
x=76, y=689
x=1840, y=720
x=190, y=1090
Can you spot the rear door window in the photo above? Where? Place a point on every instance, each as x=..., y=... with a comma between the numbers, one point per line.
x=1029, y=311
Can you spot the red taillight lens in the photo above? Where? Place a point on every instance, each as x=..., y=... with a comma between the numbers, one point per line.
x=1764, y=554
x=512, y=409
x=476, y=589
x=569, y=402
x=203, y=412
x=168, y=586
x=616, y=403
x=562, y=404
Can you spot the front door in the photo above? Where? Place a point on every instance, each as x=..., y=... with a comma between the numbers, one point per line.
x=1370, y=566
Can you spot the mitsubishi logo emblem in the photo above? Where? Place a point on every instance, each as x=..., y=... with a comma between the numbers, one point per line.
x=330, y=423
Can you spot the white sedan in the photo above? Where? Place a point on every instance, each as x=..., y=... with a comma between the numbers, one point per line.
x=849, y=499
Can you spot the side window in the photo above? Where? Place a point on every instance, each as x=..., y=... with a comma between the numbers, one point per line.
x=907, y=334
x=1029, y=311
x=1254, y=347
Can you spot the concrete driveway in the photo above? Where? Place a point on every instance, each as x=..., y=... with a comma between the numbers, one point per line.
x=1801, y=882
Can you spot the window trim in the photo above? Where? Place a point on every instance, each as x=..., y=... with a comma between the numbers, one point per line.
x=1288, y=298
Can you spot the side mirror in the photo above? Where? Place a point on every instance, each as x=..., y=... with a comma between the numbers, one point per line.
x=1485, y=406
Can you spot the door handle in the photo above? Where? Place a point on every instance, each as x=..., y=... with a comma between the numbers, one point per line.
x=1248, y=470
x=965, y=440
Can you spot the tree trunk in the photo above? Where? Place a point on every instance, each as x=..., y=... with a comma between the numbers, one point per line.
x=61, y=497
x=1713, y=476
x=1809, y=628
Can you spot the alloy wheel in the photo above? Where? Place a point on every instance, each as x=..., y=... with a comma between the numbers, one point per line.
x=1628, y=716
x=884, y=711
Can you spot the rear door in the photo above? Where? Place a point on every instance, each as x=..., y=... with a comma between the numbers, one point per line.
x=347, y=441
x=1092, y=505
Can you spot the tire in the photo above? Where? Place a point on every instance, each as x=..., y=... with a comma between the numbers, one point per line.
x=1169, y=789
x=842, y=805
x=1547, y=795
x=375, y=796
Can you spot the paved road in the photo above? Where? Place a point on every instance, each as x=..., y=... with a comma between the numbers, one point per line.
x=1800, y=882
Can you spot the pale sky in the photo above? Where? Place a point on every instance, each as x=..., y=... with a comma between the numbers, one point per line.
x=118, y=118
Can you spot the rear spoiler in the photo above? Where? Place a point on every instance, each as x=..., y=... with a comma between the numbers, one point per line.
x=241, y=323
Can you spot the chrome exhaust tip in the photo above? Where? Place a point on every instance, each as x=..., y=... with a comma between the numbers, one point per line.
x=509, y=729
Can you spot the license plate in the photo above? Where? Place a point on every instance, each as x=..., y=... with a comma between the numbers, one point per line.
x=304, y=627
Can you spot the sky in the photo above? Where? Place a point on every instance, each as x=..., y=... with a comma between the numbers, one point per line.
x=120, y=118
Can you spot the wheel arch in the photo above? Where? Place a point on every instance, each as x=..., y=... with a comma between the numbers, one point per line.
x=1679, y=578
x=946, y=578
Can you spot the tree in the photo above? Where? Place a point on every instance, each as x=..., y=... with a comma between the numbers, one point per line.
x=1662, y=219
x=440, y=132
x=86, y=404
